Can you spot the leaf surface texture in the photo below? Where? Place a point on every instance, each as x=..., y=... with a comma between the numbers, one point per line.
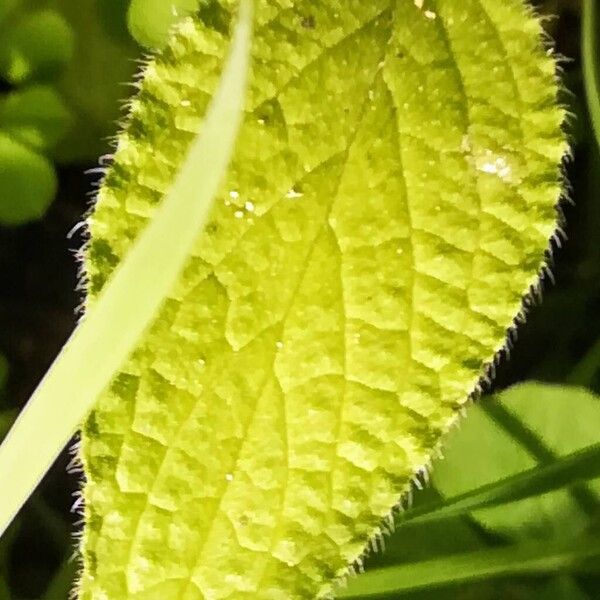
x=389, y=204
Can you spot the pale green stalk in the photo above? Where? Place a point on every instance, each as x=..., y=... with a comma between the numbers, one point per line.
x=112, y=328
x=590, y=61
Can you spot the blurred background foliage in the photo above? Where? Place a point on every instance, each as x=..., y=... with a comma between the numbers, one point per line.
x=65, y=68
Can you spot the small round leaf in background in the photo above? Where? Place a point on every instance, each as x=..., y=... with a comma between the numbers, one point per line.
x=27, y=182
x=35, y=47
x=150, y=20
x=36, y=116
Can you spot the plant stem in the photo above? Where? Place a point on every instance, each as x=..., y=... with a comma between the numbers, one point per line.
x=589, y=53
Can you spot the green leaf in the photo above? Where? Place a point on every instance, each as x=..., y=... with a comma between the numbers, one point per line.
x=27, y=183
x=35, y=116
x=587, y=368
x=38, y=45
x=570, y=469
x=62, y=581
x=526, y=559
x=541, y=422
x=94, y=352
x=150, y=20
x=389, y=203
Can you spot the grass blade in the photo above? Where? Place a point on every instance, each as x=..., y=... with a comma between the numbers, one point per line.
x=590, y=53
x=585, y=370
x=130, y=300
x=528, y=559
x=62, y=581
x=573, y=468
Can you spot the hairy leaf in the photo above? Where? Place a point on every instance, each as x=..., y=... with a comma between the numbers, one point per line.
x=390, y=201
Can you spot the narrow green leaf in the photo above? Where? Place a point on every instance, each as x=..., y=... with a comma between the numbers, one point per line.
x=113, y=325
x=584, y=372
x=525, y=559
x=573, y=468
x=61, y=584
x=591, y=52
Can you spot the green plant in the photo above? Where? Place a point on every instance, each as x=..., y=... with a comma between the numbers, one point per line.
x=492, y=169
x=34, y=47
x=590, y=61
x=366, y=209
x=526, y=475
x=60, y=97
